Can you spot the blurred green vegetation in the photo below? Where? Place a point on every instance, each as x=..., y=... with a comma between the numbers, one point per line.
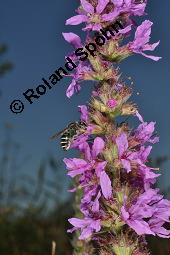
x=33, y=210
x=5, y=65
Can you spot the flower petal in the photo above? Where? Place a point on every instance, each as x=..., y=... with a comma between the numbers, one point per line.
x=139, y=116
x=85, y=233
x=140, y=226
x=124, y=213
x=106, y=186
x=97, y=147
x=84, y=112
x=122, y=143
x=78, y=223
x=100, y=167
x=76, y=20
x=111, y=16
x=142, y=34
x=126, y=165
x=87, y=6
x=96, y=205
x=155, y=58
x=73, y=39
x=151, y=47
x=118, y=3
x=101, y=5
x=76, y=166
x=72, y=88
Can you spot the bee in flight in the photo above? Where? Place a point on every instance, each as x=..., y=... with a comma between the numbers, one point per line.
x=70, y=133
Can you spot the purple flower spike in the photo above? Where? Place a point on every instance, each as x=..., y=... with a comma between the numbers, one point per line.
x=113, y=177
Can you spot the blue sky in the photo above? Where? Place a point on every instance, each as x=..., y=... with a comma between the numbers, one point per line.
x=32, y=30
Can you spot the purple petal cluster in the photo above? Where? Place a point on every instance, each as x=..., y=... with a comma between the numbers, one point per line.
x=133, y=151
x=78, y=76
x=95, y=183
x=148, y=214
x=96, y=17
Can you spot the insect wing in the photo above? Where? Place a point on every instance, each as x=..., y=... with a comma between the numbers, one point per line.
x=56, y=135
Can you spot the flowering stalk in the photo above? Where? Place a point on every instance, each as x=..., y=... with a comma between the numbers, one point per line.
x=116, y=203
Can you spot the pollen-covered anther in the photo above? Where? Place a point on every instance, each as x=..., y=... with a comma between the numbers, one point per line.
x=95, y=18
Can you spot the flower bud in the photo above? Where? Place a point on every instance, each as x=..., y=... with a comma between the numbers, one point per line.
x=112, y=52
x=121, y=246
x=128, y=109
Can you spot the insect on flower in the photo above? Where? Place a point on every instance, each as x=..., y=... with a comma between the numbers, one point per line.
x=70, y=133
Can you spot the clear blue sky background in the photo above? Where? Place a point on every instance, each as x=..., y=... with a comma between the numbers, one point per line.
x=32, y=30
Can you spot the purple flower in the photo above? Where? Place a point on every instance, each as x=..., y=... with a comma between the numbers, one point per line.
x=148, y=176
x=126, y=156
x=76, y=166
x=87, y=226
x=92, y=218
x=152, y=207
x=81, y=70
x=92, y=16
x=89, y=164
x=81, y=141
x=141, y=155
x=156, y=226
x=122, y=144
x=84, y=113
x=141, y=41
x=105, y=185
x=96, y=17
x=78, y=76
x=144, y=133
x=125, y=6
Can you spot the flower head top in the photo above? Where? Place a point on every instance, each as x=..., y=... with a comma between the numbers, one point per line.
x=89, y=14
x=97, y=15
